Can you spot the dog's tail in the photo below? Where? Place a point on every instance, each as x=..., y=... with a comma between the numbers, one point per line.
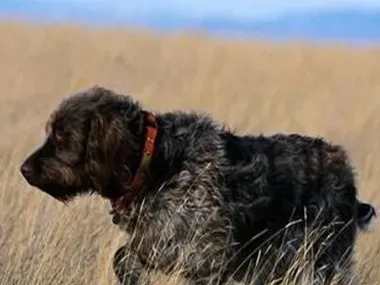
x=365, y=215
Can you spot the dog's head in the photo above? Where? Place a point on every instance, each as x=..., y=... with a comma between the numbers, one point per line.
x=89, y=138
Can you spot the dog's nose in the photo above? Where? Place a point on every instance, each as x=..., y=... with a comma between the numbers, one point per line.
x=26, y=170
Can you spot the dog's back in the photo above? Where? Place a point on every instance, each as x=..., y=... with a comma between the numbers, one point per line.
x=281, y=187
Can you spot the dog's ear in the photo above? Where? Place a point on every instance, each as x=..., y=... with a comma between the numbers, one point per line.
x=94, y=153
x=94, y=138
x=115, y=125
x=101, y=148
x=107, y=143
x=104, y=138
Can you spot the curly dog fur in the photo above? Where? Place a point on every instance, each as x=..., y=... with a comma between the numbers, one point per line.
x=218, y=206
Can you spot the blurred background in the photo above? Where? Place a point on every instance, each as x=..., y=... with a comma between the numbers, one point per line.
x=348, y=21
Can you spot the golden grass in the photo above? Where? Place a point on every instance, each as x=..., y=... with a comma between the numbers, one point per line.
x=255, y=87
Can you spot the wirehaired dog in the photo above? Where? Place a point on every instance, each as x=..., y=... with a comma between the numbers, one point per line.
x=195, y=197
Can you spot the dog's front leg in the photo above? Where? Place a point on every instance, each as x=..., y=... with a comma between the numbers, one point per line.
x=127, y=266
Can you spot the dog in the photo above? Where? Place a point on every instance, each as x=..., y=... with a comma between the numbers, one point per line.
x=196, y=197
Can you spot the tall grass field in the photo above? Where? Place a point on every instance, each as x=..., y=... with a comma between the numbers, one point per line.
x=251, y=86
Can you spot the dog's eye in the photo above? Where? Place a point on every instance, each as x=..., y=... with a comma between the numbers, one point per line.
x=58, y=136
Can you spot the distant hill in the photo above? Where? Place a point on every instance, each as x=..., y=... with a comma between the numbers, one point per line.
x=348, y=25
x=345, y=25
x=325, y=25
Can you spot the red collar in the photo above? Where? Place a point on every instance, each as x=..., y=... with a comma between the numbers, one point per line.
x=142, y=172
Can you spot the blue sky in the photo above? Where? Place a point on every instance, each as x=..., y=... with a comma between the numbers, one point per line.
x=243, y=9
x=345, y=19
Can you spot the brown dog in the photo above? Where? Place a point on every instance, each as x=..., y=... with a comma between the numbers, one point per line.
x=196, y=197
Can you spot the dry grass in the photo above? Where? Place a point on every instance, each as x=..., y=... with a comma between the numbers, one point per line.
x=256, y=87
